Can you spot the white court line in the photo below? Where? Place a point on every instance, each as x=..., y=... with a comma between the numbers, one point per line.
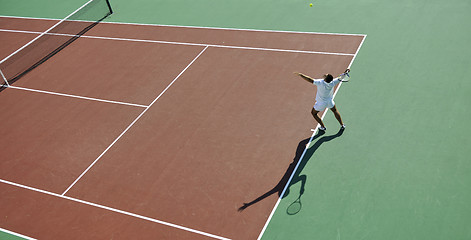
x=135, y=120
x=356, y=53
x=16, y=234
x=184, y=43
x=74, y=96
x=4, y=78
x=115, y=210
x=199, y=27
x=302, y=155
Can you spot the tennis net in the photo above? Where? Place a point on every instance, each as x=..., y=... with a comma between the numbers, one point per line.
x=53, y=40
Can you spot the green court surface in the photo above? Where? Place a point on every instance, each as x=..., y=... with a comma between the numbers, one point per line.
x=7, y=236
x=401, y=170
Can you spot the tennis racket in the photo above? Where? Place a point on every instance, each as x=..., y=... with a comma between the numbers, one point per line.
x=345, y=77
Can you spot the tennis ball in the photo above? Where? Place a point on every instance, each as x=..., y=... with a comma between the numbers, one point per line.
x=310, y=5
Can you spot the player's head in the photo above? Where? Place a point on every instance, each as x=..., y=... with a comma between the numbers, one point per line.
x=328, y=78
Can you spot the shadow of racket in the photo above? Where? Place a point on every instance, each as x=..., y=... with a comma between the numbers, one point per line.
x=295, y=206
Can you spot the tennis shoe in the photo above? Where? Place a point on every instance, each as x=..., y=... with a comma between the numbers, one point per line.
x=322, y=129
x=343, y=127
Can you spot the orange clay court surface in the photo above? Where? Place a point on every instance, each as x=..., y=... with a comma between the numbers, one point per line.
x=156, y=131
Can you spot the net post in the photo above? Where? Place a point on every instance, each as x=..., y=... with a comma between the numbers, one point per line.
x=109, y=6
x=4, y=78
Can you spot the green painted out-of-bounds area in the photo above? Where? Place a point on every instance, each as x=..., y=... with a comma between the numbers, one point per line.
x=9, y=236
x=401, y=170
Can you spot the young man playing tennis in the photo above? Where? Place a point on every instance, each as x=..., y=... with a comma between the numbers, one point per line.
x=324, y=97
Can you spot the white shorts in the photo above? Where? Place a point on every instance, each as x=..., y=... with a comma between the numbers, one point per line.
x=321, y=105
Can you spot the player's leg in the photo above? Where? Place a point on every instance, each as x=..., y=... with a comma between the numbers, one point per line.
x=337, y=115
x=314, y=113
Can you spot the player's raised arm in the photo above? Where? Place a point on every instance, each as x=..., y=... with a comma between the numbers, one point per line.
x=305, y=77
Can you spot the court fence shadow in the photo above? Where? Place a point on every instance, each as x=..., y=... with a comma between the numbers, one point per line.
x=297, y=177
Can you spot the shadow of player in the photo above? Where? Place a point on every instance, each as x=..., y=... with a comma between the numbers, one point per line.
x=296, y=177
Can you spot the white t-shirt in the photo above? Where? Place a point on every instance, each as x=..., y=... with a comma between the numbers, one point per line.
x=325, y=91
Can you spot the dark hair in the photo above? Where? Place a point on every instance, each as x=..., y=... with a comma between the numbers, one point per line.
x=328, y=78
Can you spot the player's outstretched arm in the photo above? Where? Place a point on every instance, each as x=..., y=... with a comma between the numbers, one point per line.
x=305, y=77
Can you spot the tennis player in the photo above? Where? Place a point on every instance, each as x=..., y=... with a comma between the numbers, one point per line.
x=325, y=97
